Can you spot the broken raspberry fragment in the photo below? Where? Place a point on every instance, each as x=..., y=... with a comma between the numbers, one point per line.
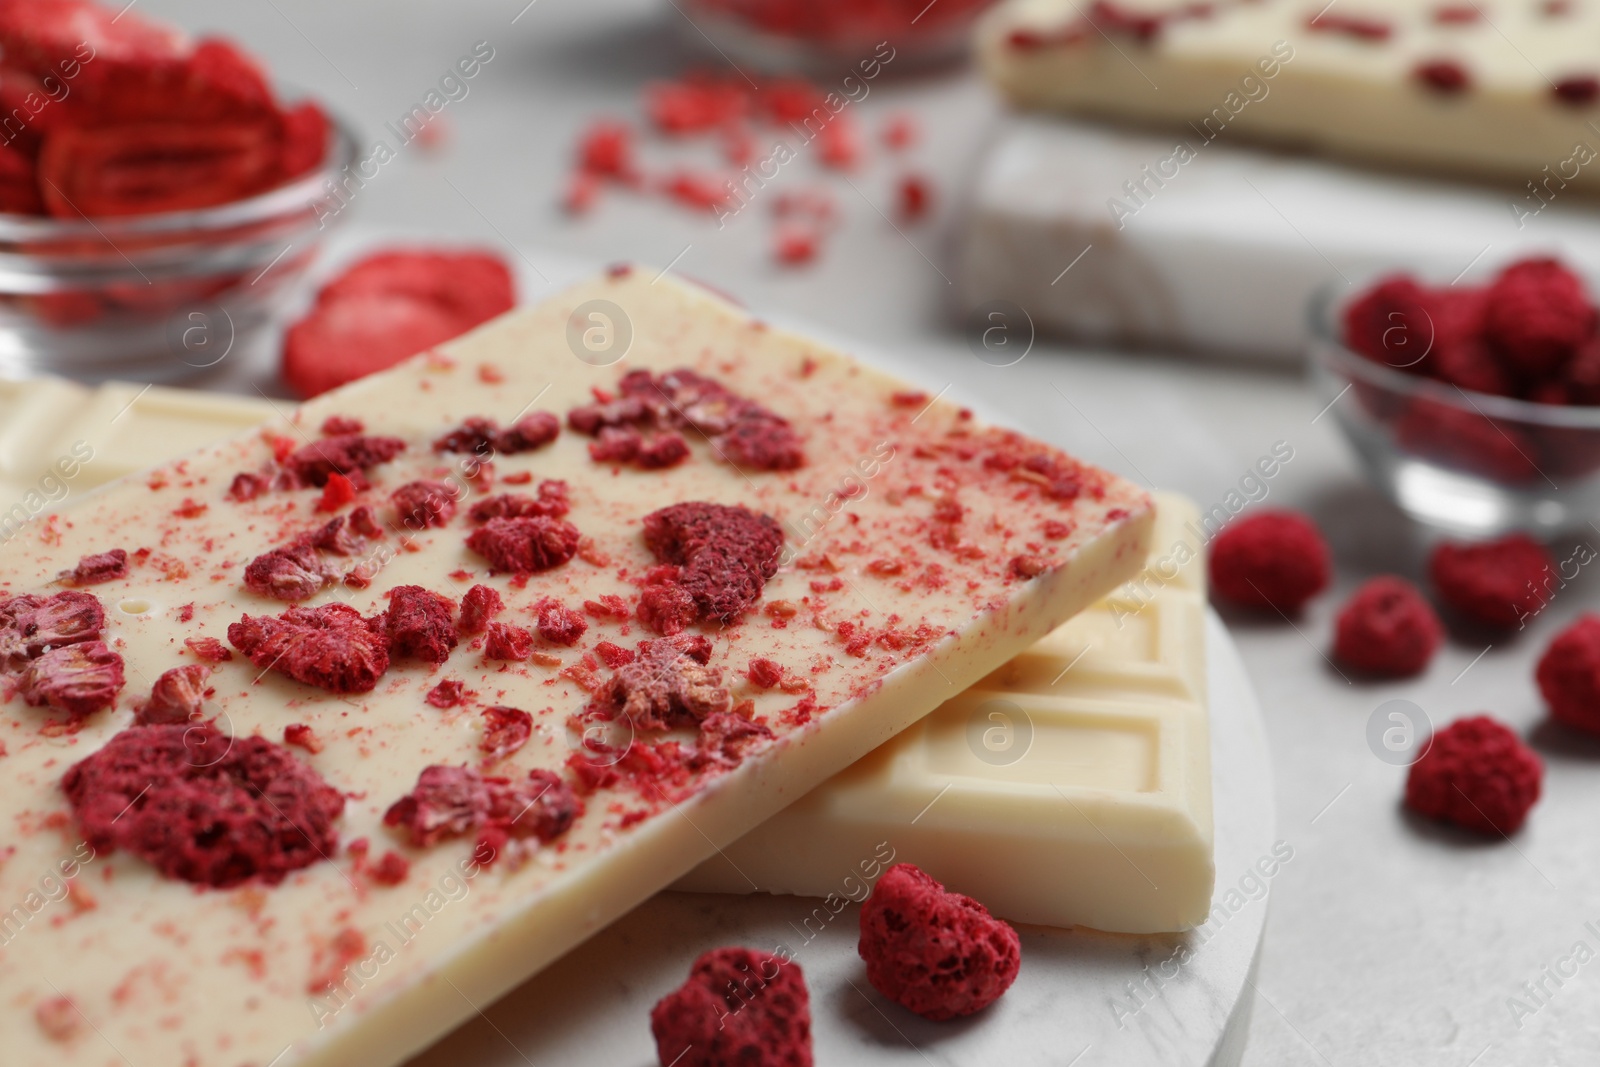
x=455, y=801
x=479, y=606
x=447, y=694
x=421, y=504
x=79, y=679
x=560, y=625
x=331, y=647
x=507, y=641
x=293, y=572
x=670, y=684
x=525, y=545
x=726, y=553
x=349, y=454
x=179, y=695
x=418, y=624
x=504, y=731
x=101, y=567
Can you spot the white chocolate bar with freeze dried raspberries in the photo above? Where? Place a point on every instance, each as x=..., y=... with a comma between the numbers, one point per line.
x=401, y=744
x=1508, y=90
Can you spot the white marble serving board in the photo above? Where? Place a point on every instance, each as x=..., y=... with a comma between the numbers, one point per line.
x=1070, y=1005
x=1222, y=252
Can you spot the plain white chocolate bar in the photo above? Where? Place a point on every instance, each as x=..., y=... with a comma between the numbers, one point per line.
x=1071, y=787
x=921, y=551
x=1508, y=90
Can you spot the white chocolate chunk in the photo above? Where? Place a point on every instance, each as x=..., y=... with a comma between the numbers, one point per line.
x=1370, y=80
x=329, y=966
x=1071, y=787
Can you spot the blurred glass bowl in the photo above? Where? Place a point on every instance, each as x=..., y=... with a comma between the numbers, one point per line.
x=158, y=297
x=1468, y=462
x=818, y=36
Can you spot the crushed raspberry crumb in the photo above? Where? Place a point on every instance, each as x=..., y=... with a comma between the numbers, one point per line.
x=338, y=492
x=1272, y=559
x=479, y=606
x=419, y=624
x=726, y=554
x=208, y=648
x=934, y=952
x=101, y=567
x=246, y=486
x=1477, y=774
x=421, y=504
x=292, y=572
x=525, y=545
x=528, y=434
x=607, y=606
x=507, y=641
x=738, y=1006
x=504, y=731
x=764, y=673
x=331, y=647
x=552, y=502
x=1495, y=583
x=300, y=735
x=1444, y=76
x=447, y=694
x=338, y=425
x=456, y=801
x=560, y=625
x=391, y=869
x=179, y=695
x=351, y=455
x=204, y=807
x=670, y=684
x=1387, y=628
x=1569, y=675
x=79, y=679
x=613, y=655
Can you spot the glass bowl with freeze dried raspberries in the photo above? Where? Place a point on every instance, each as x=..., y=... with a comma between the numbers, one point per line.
x=158, y=196
x=1475, y=404
x=818, y=35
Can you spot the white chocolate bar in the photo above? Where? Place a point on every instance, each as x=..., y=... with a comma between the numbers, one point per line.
x=329, y=966
x=1496, y=89
x=1071, y=787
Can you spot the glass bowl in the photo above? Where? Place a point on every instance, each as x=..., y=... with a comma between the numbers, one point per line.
x=160, y=297
x=818, y=36
x=1467, y=462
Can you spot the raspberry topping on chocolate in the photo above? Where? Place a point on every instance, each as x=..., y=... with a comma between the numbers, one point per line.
x=1388, y=629
x=447, y=694
x=479, y=606
x=553, y=502
x=31, y=624
x=669, y=684
x=726, y=555
x=292, y=572
x=421, y=504
x=418, y=624
x=454, y=801
x=1272, y=559
x=504, y=731
x=179, y=695
x=79, y=679
x=526, y=544
x=349, y=454
x=208, y=649
x=1443, y=76
x=1569, y=674
x=101, y=567
x=482, y=436
x=1477, y=774
x=738, y=1006
x=934, y=952
x=560, y=625
x=204, y=807
x=331, y=647
x=507, y=641
x=1496, y=583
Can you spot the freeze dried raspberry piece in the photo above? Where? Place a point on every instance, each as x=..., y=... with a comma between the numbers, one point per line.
x=764, y=673
x=302, y=736
x=338, y=535
x=552, y=502
x=1387, y=628
x=525, y=545
x=670, y=684
x=335, y=425
x=447, y=694
x=507, y=641
x=79, y=679
x=100, y=567
x=421, y=504
x=560, y=625
x=418, y=624
x=204, y=807
x=455, y=801
x=1569, y=674
x=1538, y=313
x=208, y=649
x=331, y=647
x=30, y=624
x=606, y=150
x=504, y=731
x=349, y=454
x=725, y=738
x=1496, y=583
x=338, y=492
x=474, y=435
x=1272, y=559
x=1477, y=774
x=247, y=486
x=389, y=306
x=738, y=1007
x=727, y=554
x=934, y=952
x=528, y=434
x=293, y=572
x=479, y=606
x=179, y=695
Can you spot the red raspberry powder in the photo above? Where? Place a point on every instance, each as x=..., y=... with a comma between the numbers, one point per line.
x=204, y=807
x=1272, y=559
x=1569, y=674
x=1476, y=774
x=1388, y=629
x=1496, y=583
x=738, y=1007
x=934, y=952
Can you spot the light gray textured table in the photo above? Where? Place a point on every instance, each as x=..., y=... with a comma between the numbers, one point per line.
x=1389, y=942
